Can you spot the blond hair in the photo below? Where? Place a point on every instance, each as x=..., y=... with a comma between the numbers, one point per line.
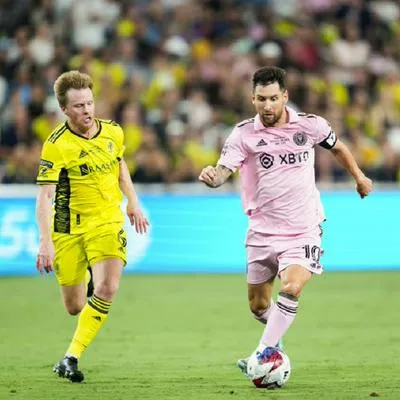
x=70, y=80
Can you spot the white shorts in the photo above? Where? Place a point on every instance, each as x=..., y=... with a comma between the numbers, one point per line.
x=273, y=253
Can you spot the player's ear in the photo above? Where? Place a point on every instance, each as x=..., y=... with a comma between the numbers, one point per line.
x=253, y=99
x=285, y=96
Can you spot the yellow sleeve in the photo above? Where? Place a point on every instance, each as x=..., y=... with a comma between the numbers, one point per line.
x=120, y=142
x=51, y=163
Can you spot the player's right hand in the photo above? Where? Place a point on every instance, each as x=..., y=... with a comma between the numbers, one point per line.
x=45, y=257
x=208, y=175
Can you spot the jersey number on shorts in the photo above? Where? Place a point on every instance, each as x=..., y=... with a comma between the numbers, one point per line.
x=313, y=252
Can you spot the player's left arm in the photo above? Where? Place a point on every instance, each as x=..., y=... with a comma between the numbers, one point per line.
x=133, y=209
x=347, y=161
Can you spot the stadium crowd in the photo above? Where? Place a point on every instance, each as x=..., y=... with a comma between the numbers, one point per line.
x=176, y=75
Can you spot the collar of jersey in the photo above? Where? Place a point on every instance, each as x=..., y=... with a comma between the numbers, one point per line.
x=293, y=117
x=99, y=126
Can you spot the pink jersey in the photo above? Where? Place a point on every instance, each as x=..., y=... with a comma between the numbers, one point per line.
x=277, y=171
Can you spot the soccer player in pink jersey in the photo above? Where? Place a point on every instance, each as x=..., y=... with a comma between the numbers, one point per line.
x=274, y=152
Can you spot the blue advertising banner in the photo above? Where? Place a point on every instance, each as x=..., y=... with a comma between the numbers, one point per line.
x=205, y=234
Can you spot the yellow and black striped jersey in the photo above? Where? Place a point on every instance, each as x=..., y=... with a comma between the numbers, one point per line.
x=86, y=175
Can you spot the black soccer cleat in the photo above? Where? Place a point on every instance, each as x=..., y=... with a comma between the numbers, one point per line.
x=90, y=286
x=68, y=368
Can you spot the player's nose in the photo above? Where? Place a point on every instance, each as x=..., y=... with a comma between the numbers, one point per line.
x=267, y=107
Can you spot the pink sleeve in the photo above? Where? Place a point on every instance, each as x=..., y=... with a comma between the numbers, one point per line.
x=324, y=135
x=233, y=153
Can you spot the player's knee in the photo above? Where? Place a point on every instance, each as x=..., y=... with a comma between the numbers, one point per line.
x=259, y=306
x=74, y=308
x=292, y=287
x=106, y=289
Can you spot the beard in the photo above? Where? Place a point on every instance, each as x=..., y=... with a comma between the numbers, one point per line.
x=271, y=120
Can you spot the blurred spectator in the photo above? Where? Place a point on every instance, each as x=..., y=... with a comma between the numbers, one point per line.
x=348, y=55
x=151, y=163
x=41, y=47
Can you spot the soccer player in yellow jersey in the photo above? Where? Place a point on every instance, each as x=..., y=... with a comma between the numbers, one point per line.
x=81, y=175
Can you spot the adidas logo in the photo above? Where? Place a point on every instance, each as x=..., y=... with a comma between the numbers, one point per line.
x=83, y=154
x=262, y=142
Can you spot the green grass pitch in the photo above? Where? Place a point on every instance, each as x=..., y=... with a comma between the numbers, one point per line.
x=178, y=337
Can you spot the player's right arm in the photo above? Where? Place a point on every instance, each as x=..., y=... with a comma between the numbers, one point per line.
x=232, y=157
x=51, y=163
x=46, y=253
x=215, y=176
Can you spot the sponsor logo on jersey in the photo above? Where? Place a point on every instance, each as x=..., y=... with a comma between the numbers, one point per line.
x=293, y=158
x=98, y=168
x=262, y=142
x=45, y=163
x=83, y=154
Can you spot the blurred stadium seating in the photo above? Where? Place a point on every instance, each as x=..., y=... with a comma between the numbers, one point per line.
x=176, y=75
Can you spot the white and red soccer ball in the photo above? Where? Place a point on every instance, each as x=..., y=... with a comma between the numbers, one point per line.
x=269, y=369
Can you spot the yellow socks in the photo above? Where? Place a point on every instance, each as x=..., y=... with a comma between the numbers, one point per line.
x=90, y=320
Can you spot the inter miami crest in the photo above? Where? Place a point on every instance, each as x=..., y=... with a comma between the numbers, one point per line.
x=300, y=138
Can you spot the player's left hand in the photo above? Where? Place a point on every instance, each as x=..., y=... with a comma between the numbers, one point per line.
x=364, y=186
x=137, y=218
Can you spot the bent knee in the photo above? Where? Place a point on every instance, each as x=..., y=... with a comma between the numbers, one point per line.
x=106, y=289
x=292, y=288
x=259, y=306
x=74, y=308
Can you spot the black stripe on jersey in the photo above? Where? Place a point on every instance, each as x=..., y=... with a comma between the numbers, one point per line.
x=83, y=137
x=303, y=114
x=100, y=125
x=62, y=216
x=109, y=121
x=245, y=122
x=45, y=182
x=56, y=135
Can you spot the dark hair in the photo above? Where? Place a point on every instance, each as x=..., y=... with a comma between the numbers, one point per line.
x=267, y=75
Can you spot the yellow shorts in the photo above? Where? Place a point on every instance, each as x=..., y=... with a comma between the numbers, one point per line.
x=74, y=253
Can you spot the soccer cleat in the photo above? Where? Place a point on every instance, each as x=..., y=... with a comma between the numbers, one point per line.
x=242, y=365
x=242, y=362
x=68, y=368
x=90, y=286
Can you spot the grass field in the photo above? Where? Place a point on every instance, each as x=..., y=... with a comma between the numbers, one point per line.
x=178, y=337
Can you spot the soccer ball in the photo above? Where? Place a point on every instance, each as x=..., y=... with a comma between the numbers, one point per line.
x=269, y=369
